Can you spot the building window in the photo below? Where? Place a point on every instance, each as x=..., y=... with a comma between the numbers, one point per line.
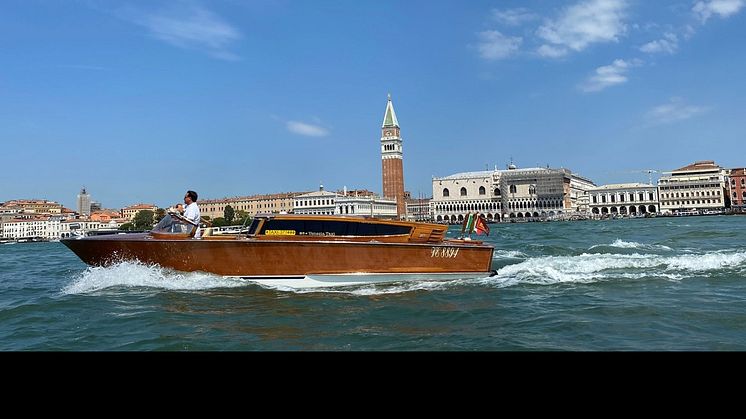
x=446, y=193
x=463, y=191
x=513, y=189
x=482, y=191
x=532, y=190
x=497, y=192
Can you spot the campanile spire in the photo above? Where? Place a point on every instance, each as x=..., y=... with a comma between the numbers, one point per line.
x=392, y=155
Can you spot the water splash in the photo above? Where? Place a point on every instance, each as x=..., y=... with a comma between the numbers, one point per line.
x=379, y=289
x=621, y=244
x=509, y=254
x=708, y=262
x=590, y=268
x=138, y=275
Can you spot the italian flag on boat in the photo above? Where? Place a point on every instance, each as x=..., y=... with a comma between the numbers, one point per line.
x=481, y=227
x=475, y=223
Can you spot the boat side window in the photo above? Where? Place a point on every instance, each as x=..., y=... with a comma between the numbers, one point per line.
x=253, y=226
x=332, y=228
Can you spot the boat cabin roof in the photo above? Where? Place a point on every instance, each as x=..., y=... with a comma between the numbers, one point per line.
x=285, y=226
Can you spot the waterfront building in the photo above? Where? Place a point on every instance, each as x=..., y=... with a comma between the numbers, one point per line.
x=357, y=192
x=252, y=205
x=67, y=214
x=38, y=227
x=105, y=215
x=456, y=195
x=52, y=228
x=129, y=213
x=12, y=211
x=35, y=206
x=392, y=159
x=418, y=209
x=324, y=202
x=698, y=186
x=578, y=193
x=372, y=206
x=737, y=189
x=583, y=202
x=84, y=203
x=71, y=228
x=624, y=199
x=509, y=194
x=320, y=202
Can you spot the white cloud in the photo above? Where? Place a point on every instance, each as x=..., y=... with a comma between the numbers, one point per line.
x=688, y=32
x=191, y=27
x=583, y=24
x=309, y=130
x=513, y=17
x=668, y=44
x=550, y=51
x=673, y=111
x=495, y=46
x=610, y=75
x=705, y=9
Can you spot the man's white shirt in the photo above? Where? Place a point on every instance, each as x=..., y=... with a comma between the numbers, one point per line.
x=191, y=213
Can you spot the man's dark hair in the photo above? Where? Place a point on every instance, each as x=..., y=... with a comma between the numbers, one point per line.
x=192, y=195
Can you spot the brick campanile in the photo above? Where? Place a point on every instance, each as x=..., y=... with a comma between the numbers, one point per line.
x=392, y=160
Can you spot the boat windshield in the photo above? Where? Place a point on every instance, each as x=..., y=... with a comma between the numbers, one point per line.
x=173, y=224
x=253, y=227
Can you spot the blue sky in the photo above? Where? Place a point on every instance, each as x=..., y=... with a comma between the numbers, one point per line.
x=142, y=100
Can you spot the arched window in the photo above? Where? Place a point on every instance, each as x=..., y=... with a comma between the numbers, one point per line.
x=446, y=193
x=482, y=191
x=532, y=190
x=463, y=191
x=497, y=192
x=513, y=189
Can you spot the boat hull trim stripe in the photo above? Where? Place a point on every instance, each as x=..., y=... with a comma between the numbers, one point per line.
x=354, y=279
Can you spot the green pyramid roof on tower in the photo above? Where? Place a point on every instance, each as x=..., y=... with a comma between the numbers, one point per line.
x=389, y=120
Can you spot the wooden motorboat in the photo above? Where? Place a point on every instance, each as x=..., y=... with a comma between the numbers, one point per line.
x=299, y=251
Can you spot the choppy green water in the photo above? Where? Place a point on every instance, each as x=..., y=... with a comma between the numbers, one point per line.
x=648, y=284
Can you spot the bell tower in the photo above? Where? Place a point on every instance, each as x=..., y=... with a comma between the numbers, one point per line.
x=392, y=159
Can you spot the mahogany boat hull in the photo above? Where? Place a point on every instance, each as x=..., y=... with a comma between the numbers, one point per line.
x=270, y=260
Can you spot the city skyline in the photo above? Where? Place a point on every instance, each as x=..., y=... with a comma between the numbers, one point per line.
x=140, y=101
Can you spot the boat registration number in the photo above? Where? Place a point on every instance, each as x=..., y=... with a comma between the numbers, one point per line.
x=280, y=232
x=444, y=252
